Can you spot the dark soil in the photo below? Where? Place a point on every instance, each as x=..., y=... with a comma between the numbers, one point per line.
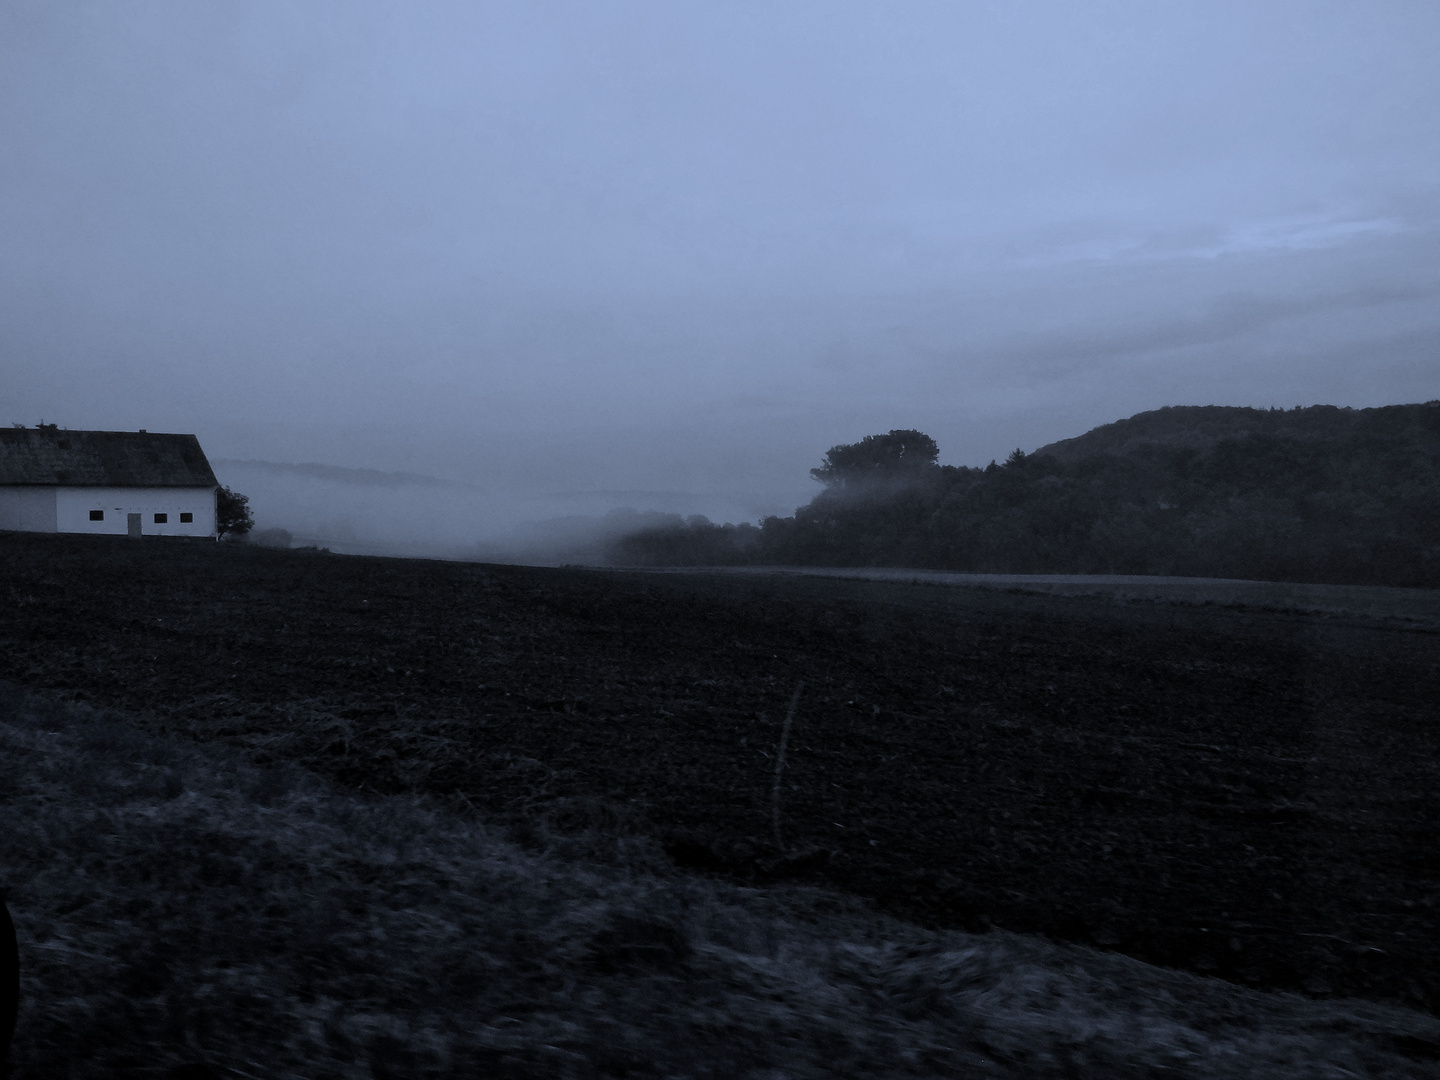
x=1249, y=794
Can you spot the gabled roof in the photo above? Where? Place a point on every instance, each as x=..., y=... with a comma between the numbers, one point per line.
x=49, y=455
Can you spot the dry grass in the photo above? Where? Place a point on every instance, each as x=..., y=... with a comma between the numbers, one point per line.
x=183, y=913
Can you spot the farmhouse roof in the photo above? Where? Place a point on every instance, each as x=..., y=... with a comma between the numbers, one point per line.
x=48, y=455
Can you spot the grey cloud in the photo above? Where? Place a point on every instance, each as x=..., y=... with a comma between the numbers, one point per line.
x=682, y=248
x=1227, y=318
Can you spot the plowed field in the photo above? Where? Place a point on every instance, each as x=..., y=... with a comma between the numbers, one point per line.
x=1246, y=793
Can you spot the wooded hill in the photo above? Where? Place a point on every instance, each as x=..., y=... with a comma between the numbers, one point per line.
x=1319, y=494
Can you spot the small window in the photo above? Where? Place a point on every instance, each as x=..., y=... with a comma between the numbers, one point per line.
x=97, y=515
x=161, y=519
x=186, y=518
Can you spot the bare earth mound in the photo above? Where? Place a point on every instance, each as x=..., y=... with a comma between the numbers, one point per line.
x=1251, y=794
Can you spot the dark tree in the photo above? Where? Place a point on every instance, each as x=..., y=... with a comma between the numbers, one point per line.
x=232, y=513
x=1347, y=496
x=878, y=460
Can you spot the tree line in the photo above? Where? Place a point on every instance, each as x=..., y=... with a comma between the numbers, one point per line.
x=1319, y=494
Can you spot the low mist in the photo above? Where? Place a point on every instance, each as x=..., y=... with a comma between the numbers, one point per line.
x=365, y=511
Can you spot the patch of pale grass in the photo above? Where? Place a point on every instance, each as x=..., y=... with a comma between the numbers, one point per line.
x=185, y=914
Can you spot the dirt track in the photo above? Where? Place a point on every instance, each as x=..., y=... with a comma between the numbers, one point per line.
x=1253, y=794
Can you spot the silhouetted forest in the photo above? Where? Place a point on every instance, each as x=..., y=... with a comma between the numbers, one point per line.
x=1320, y=494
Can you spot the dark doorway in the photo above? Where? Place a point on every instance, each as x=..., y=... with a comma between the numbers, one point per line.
x=133, y=521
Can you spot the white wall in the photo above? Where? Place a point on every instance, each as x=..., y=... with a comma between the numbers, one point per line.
x=27, y=509
x=73, y=506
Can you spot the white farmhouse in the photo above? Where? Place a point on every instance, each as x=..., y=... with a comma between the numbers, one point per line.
x=118, y=482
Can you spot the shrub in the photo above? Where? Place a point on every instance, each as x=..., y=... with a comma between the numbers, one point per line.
x=232, y=513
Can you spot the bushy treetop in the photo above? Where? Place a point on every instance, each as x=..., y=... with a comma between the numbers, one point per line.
x=878, y=459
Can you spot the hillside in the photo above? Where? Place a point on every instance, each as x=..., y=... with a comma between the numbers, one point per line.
x=1321, y=494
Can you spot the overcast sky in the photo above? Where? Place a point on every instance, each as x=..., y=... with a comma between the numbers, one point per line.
x=687, y=247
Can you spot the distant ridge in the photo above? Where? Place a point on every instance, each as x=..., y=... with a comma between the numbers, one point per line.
x=341, y=475
x=1202, y=427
